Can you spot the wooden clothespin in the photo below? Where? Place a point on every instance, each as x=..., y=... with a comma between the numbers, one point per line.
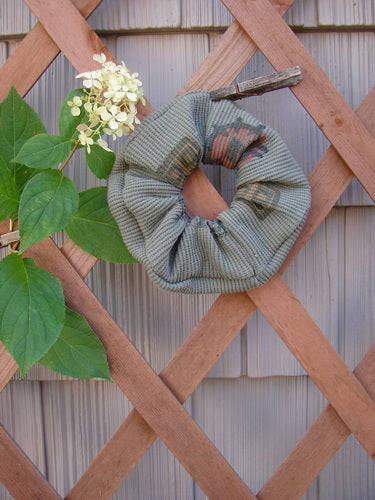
x=6, y=239
x=260, y=85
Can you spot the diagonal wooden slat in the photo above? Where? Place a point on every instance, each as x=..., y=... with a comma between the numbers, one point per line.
x=316, y=92
x=217, y=70
x=49, y=20
x=210, y=338
x=183, y=374
x=316, y=448
x=36, y=52
x=65, y=25
x=19, y=475
x=68, y=36
x=144, y=389
x=315, y=353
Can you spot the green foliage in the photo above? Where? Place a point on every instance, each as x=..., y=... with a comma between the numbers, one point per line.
x=9, y=195
x=77, y=352
x=67, y=122
x=34, y=321
x=32, y=310
x=44, y=151
x=22, y=175
x=49, y=200
x=18, y=122
x=94, y=229
x=100, y=161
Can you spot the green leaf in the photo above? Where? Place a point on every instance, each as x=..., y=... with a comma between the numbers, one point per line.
x=100, y=161
x=77, y=352
x=67, y=122
x=32, y=310
x=44, y=151
x=49, y=200
x=94, y=229
x=9, y=195
x=22, y=175
x=18, y=122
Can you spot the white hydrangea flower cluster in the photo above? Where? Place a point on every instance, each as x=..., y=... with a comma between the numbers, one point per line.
x=111, y=97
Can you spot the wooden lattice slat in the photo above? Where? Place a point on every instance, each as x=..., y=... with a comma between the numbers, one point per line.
x=21, y=478
x=36, y=52
x=316, y=448
x=144, y=389
x=316, y=354
x=322, y=203
x=212, y=336
x=316, y=92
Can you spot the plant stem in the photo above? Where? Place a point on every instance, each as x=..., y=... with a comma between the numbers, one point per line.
x=63, y=164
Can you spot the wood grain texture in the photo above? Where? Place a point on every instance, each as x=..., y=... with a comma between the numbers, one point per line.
x=319, y=96
x=359, y=283
x=34, y=54
x=19, y=475
x=116, y=15
x=319, y=358
x=348, y=13
x=182, y=375
x=328, y=179
x=248, y=435
x=21, y=414
x=90, y=411
x=220, y=68
x=196, y=14
x=323, y=439
x=70, y=32
x=142, y=386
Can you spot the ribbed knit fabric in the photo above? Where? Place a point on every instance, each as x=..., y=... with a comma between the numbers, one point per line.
x=246, y=244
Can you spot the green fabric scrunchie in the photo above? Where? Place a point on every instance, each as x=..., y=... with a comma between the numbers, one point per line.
x=246, y=244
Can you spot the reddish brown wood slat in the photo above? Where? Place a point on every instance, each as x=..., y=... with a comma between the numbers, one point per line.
x=19, y=475
x=34, y=54
x=198, y=353
x=74, y=36
x=143, y=387
x=316, y=92
x=70, y=32
x=328, y=179
x=82, y=261
x=315, y=353
x=323, y=439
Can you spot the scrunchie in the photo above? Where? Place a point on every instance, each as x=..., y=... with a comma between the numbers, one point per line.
x=246, y=244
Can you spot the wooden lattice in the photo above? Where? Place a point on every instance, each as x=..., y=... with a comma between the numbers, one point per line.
x=157, y=399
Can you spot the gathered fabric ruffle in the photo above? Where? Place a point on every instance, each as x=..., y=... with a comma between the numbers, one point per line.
x=246, y=244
